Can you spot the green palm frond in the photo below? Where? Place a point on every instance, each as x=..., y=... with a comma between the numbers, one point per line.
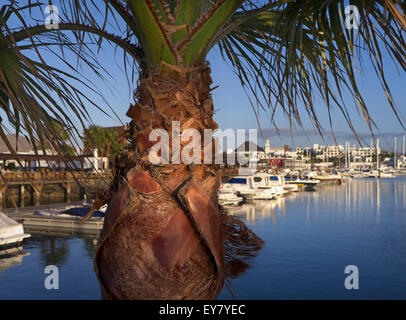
x=176, y=32
x=34, y=95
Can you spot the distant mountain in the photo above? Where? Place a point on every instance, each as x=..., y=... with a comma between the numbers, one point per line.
x=249, y=146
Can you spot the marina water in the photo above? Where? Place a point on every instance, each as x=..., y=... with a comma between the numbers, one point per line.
x=310, y=237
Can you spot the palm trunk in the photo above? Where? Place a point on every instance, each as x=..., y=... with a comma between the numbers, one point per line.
x=162, y=236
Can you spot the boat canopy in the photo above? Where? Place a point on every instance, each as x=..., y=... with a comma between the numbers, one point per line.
x=238, y=180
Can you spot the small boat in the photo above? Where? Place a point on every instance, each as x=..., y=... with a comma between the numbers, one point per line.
x=325, y=176
x=329, y=178
x=71, y=212
x=249, y=189
x=401, y=172
x=83, y=211
x=228, y=196
x=387, y=174
x=359, y=175
x=51, y=213
x=11, y=232
x=301, y=182
x=370, y=173
x=263, y=181
x=279, y=181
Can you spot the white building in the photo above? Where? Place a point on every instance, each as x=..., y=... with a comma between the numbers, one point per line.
x=96, y=163
x=327, y=152
x=275, y=151
x=296, y=164
x=363, y=152
x=28, y=158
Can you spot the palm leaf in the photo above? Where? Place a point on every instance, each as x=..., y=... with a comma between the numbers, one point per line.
x=33, y=95
x=285, y=53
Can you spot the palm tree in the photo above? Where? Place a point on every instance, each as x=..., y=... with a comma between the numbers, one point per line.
x=62, y=134
x=94, y=139
x=106, y=141
x=113, y=143
x=162, y=236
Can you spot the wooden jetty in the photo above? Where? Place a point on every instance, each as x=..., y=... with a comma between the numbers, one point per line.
x=33, y=184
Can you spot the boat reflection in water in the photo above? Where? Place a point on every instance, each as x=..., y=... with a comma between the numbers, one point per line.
x=358, y=196
x=255, y=211
x=11, y=257
x=361, y=222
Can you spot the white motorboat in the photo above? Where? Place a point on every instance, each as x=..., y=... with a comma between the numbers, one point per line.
x=279, y=180
x=362, y=174
x=11, y=232
x=71, y=212
x=250, y=189
x=325, y=176
x=401, y=172
x=275, y=182
x=387, y=174
x=301, y=182
x=359, y=175
x=51, y=213
x=227, y=196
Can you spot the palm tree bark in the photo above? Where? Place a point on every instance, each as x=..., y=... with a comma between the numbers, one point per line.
x=162, y=236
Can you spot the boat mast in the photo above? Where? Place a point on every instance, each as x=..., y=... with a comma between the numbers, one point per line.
x=394, y=157
x=377, y=154
x=345, y=155
x=403, y=158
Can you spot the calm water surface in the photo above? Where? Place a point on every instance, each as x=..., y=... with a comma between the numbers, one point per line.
x=310, y=237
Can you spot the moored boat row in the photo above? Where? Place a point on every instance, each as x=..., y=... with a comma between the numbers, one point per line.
x=360, y=174
x=260, y=186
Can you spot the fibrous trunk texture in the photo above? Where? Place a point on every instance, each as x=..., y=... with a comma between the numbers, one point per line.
x=162, y=236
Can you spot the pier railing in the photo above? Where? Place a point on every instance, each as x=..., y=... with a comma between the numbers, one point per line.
x=17, y=186
x=22, y=177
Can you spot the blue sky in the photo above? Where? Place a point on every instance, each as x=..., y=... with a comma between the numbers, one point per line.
x=233, y=109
